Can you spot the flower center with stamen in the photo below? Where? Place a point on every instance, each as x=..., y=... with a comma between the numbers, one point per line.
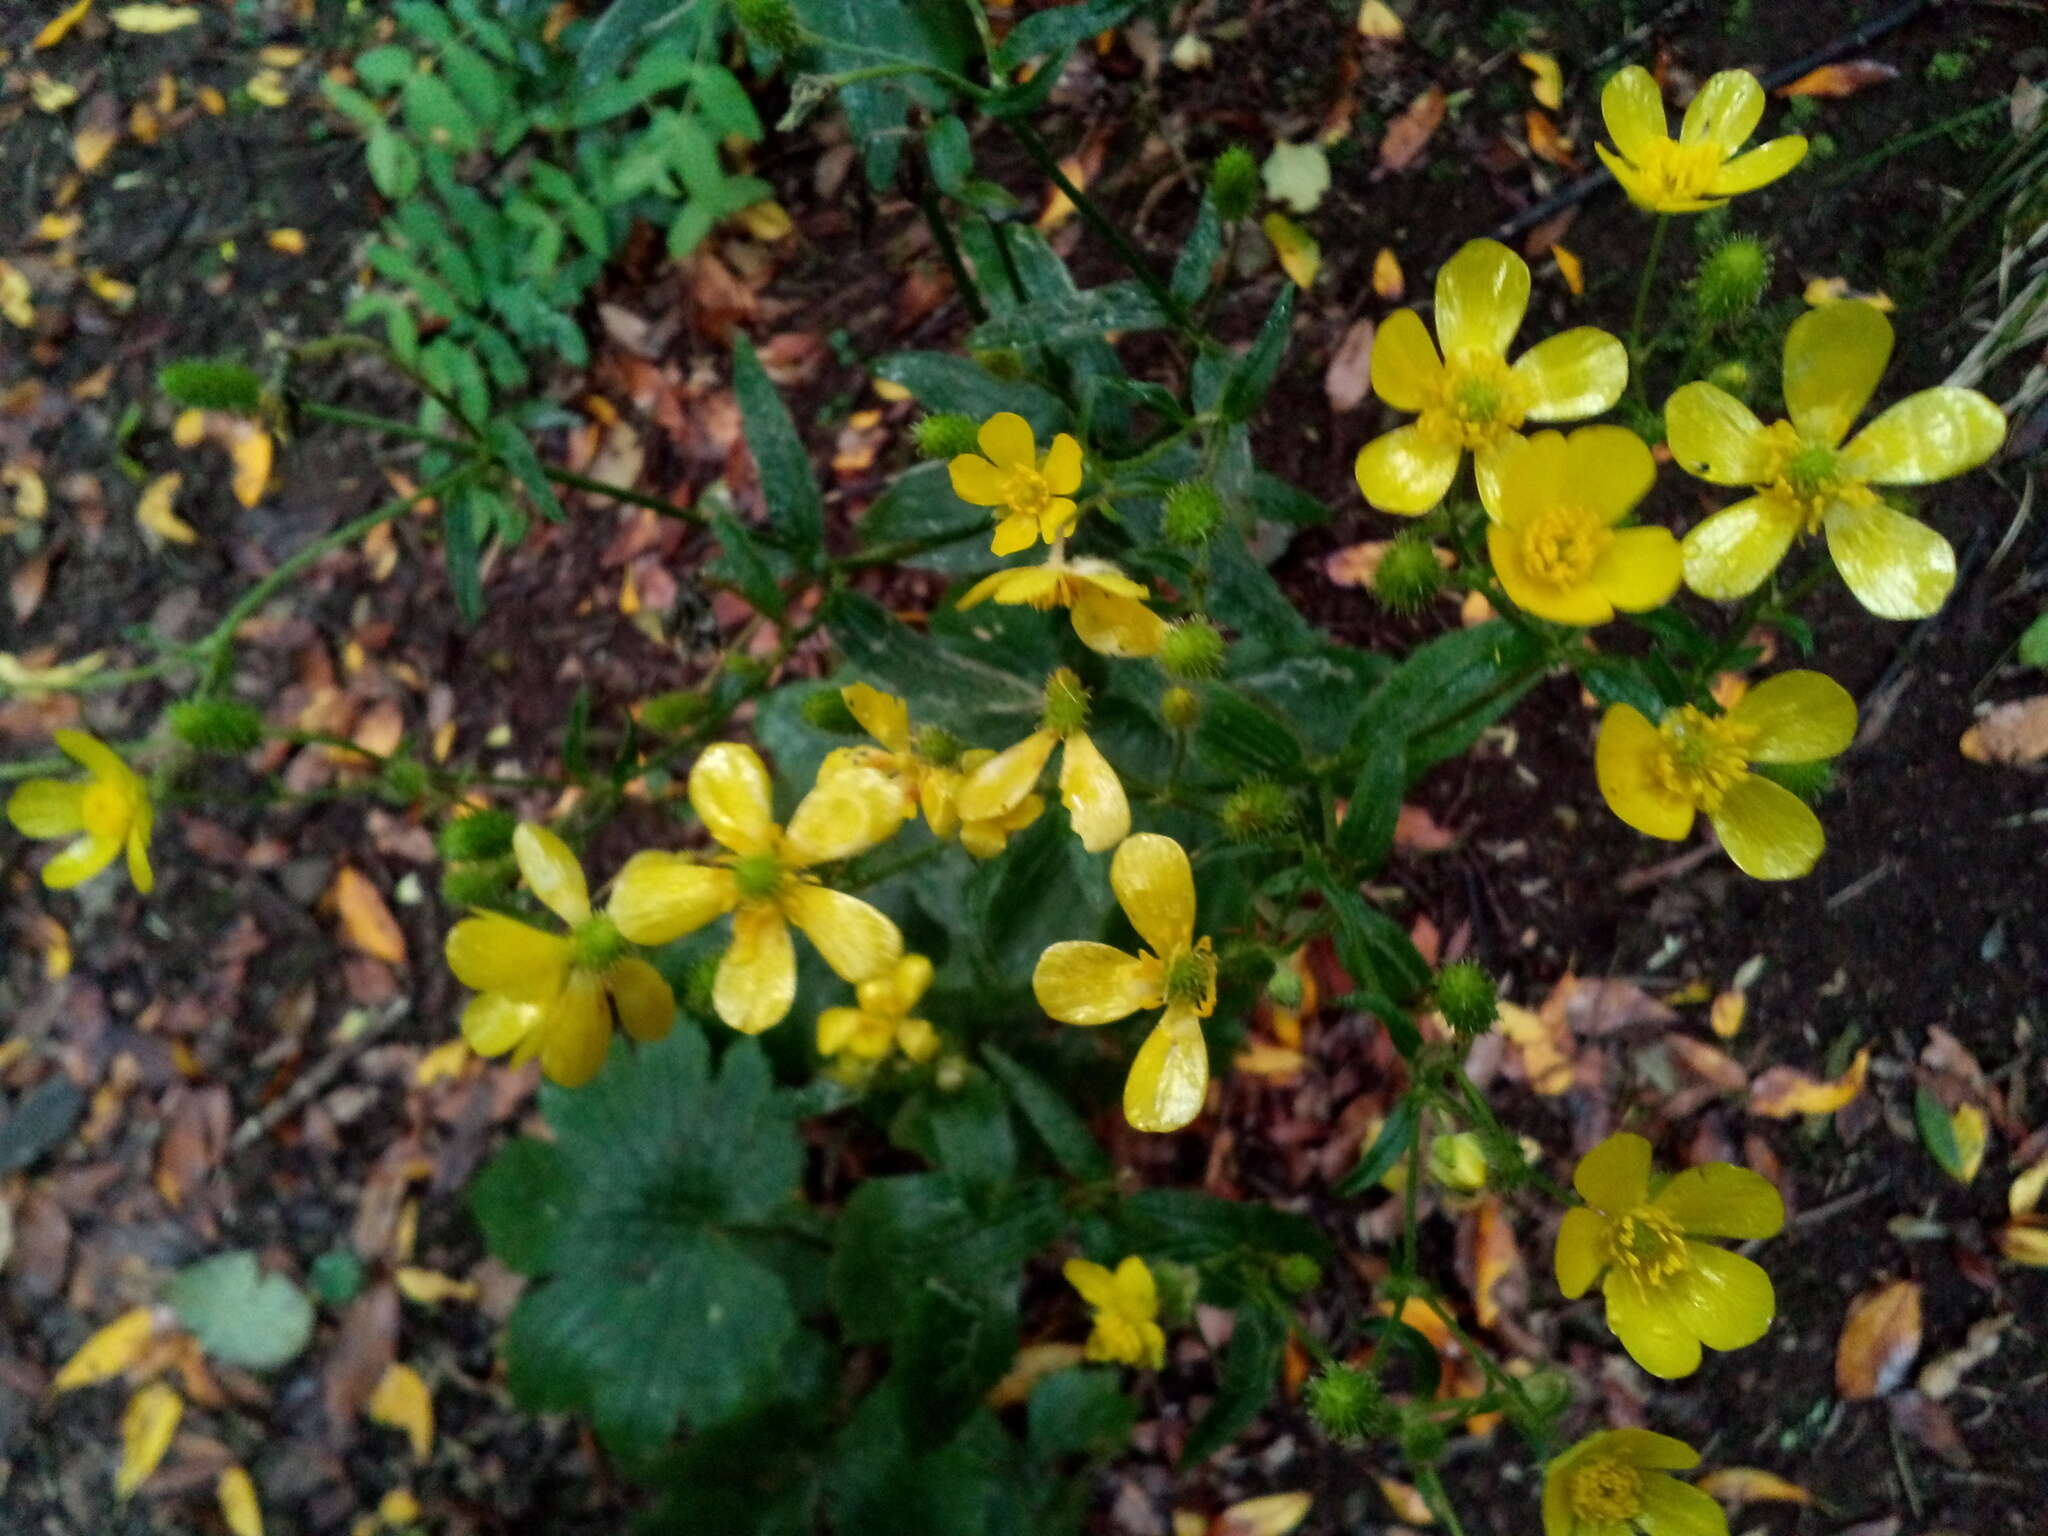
x=106, y=809
x=1704, y=756
x=1604, y=1492
x=1681, y=171
x=1476, y=404
x=1647, y=1246
x=1563, y=544
x=1810, y=475
x=1190, y=974
x=598, y=943
x=1027, y=492
x=758, y=875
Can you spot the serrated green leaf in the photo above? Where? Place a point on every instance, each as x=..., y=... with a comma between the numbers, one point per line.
x=1089, y=315
x=1193, y=1228
x=1197, y=261
x=795, y=509
x=1244, y=738
x=1396, y=1136
x=1079, y=1412
x=979, y=702
x=1252, y=378
x=943, y=382
x=1064, y=1132
x=1245, y=1384
x=1366, y=834
x=394, y=163
x=212, y=385
x=972, y=1135
x=241, y=1315
x=523, y=1200
x=1059, y=28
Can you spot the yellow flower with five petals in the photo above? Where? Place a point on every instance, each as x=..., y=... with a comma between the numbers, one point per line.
x=1033, y=495
x=998, y=791
x=1081, y=982
x=1809, y=480
x=1553, y=534
x=1658, y=777
x=1471, y=396
x=763, y=879
x=1701, y=168
x=1125, y=1302
x=107, y=815
x=1107, y=607
x=1618, y=1483
x=552, y=995
x=881, y=1020
x=1668, y=1292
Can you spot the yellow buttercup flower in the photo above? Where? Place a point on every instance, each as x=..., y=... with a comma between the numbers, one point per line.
x=1618, y=1483
x=882, y=1020
x=763, y=879
x=928, y=768
x=1808, y=480
x=552, y=995
x=1471, y=397
x=996, y=794
x=1554, y=537
x=107, y=815
x=1658, y=777
x=1032, y=495
x=1080, y=982
x=1701, y=168
x=1126, y=1307
x=1667, y=1292
x=1107, y=607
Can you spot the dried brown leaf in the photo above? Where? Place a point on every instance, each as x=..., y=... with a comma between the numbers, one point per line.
x=2011, y=734
x=1879, y=1340
x=1409, y=134
x=366, y=922
x=1844, y=79
x=1349, y=375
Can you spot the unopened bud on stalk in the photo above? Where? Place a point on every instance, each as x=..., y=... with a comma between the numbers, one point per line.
x=224, y=726
x=1458, y=1162
x=946, y=435
x=1192, y=650
x=1732, y=281
x=1234, y=182
x=1181, y=708
x=1297, y=1273
x=1194, y=511
x=1409, y=574
x=1465, y=996
x=485, y=834
x=1348, y=1405
x=1066, y=703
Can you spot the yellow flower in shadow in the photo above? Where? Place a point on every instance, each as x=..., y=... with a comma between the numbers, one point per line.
x=1032, y=495
x=1618, y=1483
x=881, y=1020
x=107, y=815
x=1126, y=1307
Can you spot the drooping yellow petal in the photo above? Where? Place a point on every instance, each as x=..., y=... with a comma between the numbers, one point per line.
x=401, y=1401
x=1760, y=167
x=1627, y=761
x=1406, y=370
x=1113, y=625
x=1581, y=1251
x=1609, y=470
x=1640, y=570
x=882, y=715
x=1934, y=435
x=1007, y=440
x=1769, y=832
x=148, y=1425
x=1481, y=295
x=661, y=896
x=978, y=482
x=756, y=980
x=1672, y=1508
x=1572, y=375
x=1155, y=885
x=1062, y=466
x=1615, y=1176
x=1169, y=1078
x=495, y=1024
x=47, y=808
x=855, y=939
x=732, y=796
x=1095, y=1283
x=1004, y=780
x=577, y=1031
x=1797, y=717
x=235, y=1491
x=1898, y=567
x=1725, y=112
x=1715, y=437
x=140, y=875
x=912, y=979
x=1019, y=531
x=1633, y=109
x=843, y=816
x=1651, y=1328
x=1058, y=519
x=1093, y=795
x=109, y=1351
x=1733, y=552
x=1406, y=471
x=491, y=952
x=253, y=452
x=1078, y=982
x=1721, y=1200
x=1726, y=1300
x=80, y=861
x=646, y=1004
x=1834, y=357
x=551, y=872
x=840, y=1029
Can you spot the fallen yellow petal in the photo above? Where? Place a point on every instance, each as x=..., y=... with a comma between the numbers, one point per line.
x=2025, y=1193
x=1271, y=1514
x=109, y=1352
x=1784, y=1092
x=153, y=18
x=236, y=1494
x=1570, y=268
x=1971, y=1132
x=154, y=512
x=288, y=242
x=1829, y=290
x=2024, y=1243
x=60, y=25
x=1033, y=1364
x=31, y=496
x=49, y=93
x=1410, y=1507
x=279, y=56
x=1300, y=257
x=443, y=1061
x=1741, y=1485
x=1376, y=20
x=1387, y=280
x=398, y=1507
x=52, y=228
x=148, y=1424
x=110, y=290
x=1727, y=1013
x=267, y=88
x=16, y=298
x=767, y=221
x=253, y=453
x=402, y=1401
x=189, y=430
x=429, y=1287
x=1548, y=84
x=211, y=102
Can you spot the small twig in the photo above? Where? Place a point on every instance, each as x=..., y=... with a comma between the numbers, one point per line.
x=318, y=1076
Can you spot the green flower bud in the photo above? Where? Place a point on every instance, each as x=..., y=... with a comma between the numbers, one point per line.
x=1192, y=650
x=1458, y=1162
x=771, y=23
x=1466, y=998
x=1179, y=1286
x=1066, y=703
x=1549, y=1393
x=404, y=780
x=668, y=714
x=1809, y=781
x=1194, y=511
x=227, y=727
x=1234, y=182
x=1422, y=1438
x=1181, y=707
x=1284, y=985
x=1257, y=811
x=1733, y=376
x=946, y=435
x=485, y=834
x=1409, y=574
x=1348, y=1405
x=824, y=709
x=1732, y=281
x=1297, y=1273
x=484, y=884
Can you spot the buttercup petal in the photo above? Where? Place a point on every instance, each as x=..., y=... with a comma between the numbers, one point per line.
x=661, y=896
x=1610, y=469
x=1079, y=982
x=1489, y=468
x=1004, y=780
x=839, y=1029
x=918, y=1039
x=1898, y=567
x=1769, y=832
x=1137, y=1294
x=1581, y=1251
x=1572, y=375
x=80, y=860
x=1722, y=1200
x=1016, y=532
x=1648, y=1451
x=1760, y=167
x=978, y=482
x=1169, y=1079
x=1405, y=471
x=882, y=715
x=1405, y=367
x=1672, y=1508
x=491, y=952
x=1101, y=574
x=47, y=808
x=1481, y=295
x=1727, y=1299
x=140, y=875
x=551, y=872
x=1834, y=357
x=1640, y=570
x=1058, y=519
x=495, y=1025
x=1095, y=1283
x=1725, y=112
x=756, y=980
x=732, y=796
x=855, y=939
x=991, y=585
x=576, y=1033
x=1798, y=717
x=1626, y=761
x=1715, y=437
x=848, y=814
x=1732, y=553
x=646, y=1004
x=1934, y=435
x=93, y=755
x=1155, y=885
x=1529, y=478
x=1615, y=1176
x=912, y=979
x=1007, y=439
x=1633, y=109
x=1062, y=466
x=1651, y=1329
x=1093, y=795
x=1112, y=625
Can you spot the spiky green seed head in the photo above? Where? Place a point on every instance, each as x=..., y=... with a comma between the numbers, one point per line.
x=226, y=727
x=1194, y=511
x=1066, y=703
x=1234, y=183
x=1466, y=997
x=946, y=435
x=1257, y=811
x=667, y=714
x=824, y=709
x=485, y=834
x=1181, y=708
x=1297, y=1273
x=1192, y=650
x=771, y=23
x=1409, y=574
x=1348, y=1405
x=1732, y=280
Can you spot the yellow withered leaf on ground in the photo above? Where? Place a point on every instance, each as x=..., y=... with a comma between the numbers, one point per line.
x=1570, y=268
x=1744, y=1485
x=147, y=1425
x=286, y=242
x=366, y=922
x=153, y=19
x=17, y=298
x=59, y=26
x=1547, y=82
x=1300, y=257
x=403, y=1402
x=429, y=1287
x=154, y=511
x=1271, y=1514
x=49, y=93
x=2025, y=1193
x=31, y=496
x=1784, y=1092
x=1376, y=20
x=1880, y=1337
x=235, y=1492
x=1387, y=279
x=1726, y=1014
x=109, y=1352
x=253, y=453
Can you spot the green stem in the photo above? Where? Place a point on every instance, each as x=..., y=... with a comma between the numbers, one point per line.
x=1410, y=1192
x=1502, y=1381
x=1642, y=310
x=949, y=248
x=1430, y=1483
